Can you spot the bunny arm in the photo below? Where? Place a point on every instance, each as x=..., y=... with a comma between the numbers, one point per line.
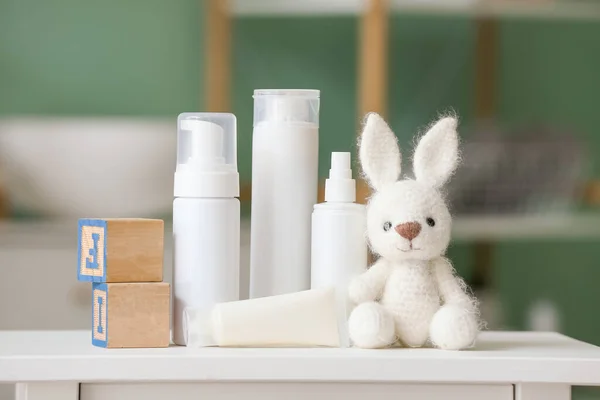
x=369, y=285
x=452, y=289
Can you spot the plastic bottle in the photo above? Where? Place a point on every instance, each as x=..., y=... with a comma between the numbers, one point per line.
x=302, y=319
x=206, y=215
x=285, y=149
x=339, y=247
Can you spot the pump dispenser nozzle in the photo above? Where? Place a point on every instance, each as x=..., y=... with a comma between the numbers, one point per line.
x=206, y=156
x=340, y=187
x=206, y=145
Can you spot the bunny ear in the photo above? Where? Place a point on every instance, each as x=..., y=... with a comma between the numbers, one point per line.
x=379, y=152
x=436, y=156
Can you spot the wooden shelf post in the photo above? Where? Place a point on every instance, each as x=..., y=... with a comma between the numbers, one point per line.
x=217, y=56
x=372, y=68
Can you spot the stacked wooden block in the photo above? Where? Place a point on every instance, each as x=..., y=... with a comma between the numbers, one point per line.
x=123, y=258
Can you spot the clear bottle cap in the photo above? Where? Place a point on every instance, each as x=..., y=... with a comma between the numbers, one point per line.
x=286, y=105
x=206, y=155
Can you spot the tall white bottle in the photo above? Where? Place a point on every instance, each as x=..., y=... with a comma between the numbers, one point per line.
x=206, y=216
x=339, y=246
x=285, y=149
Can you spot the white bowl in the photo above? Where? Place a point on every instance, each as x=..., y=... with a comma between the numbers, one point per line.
x=88, y=167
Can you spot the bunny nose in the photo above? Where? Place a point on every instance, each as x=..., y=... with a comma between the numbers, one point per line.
x=408, y=230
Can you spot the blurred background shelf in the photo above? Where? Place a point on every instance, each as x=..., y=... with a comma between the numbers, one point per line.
x=28, y=234
x=474, y=8
x=584, y=226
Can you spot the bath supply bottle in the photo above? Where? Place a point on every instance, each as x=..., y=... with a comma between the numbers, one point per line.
x=302, y=319
x=285, y=147
x=206, y=215
x=339, y=247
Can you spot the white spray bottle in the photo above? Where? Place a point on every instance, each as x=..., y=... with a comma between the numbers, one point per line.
x=285, y=158
x=206, y=216
x=339, y=246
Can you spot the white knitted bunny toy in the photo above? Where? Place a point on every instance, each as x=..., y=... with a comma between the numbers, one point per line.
x=411, y=293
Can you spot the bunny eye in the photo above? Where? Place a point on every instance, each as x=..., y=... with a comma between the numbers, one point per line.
x=387, y=226
x=430, y=221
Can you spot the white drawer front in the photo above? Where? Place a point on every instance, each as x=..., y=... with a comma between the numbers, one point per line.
x=293, y=391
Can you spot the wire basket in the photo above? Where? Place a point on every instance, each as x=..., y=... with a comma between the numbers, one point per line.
x=527, y=172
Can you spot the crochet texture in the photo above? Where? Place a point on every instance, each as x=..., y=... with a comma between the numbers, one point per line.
x=411, y=296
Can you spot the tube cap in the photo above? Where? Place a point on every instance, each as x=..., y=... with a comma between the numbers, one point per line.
x=340, y=187
x=206, y=156
x=198, y=327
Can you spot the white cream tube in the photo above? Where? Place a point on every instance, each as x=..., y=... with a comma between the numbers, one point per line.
x=304, y=319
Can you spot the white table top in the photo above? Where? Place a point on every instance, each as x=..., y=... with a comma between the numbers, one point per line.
x=499, y=357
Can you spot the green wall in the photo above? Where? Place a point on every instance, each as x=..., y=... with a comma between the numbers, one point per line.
x=322, y=53
x=139, y=57
x=145, y=58
x=298, y=53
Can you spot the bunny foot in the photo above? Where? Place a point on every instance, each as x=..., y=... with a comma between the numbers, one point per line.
x=371, y=326
x=453, y=328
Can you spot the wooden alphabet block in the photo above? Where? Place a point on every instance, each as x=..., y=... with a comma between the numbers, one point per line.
x=120, y=250
x=130, y=314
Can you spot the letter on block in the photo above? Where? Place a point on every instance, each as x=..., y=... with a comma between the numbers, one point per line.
x=120, y=250
x=130, y=315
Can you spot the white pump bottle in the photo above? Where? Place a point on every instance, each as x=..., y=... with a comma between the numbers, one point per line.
x=339, y=247
x=285, y=158
x=206, y=216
